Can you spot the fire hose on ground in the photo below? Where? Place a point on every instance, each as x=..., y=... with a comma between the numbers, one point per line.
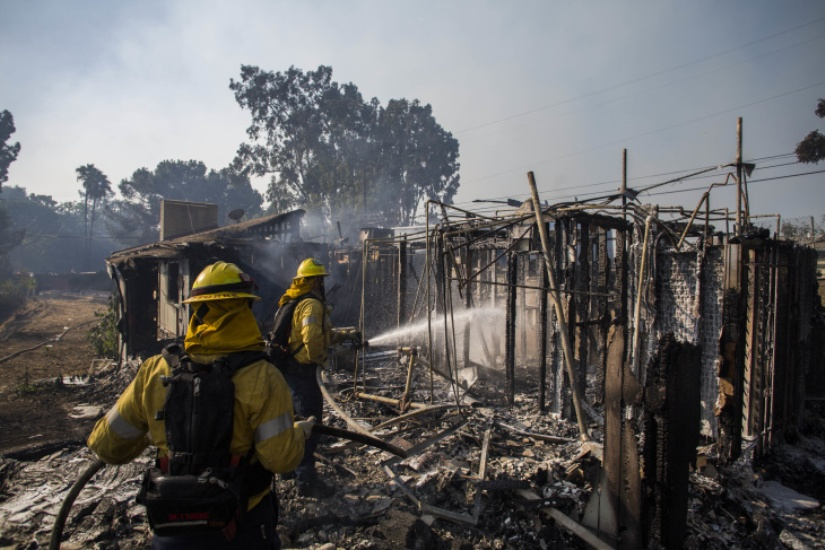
x=97, y=465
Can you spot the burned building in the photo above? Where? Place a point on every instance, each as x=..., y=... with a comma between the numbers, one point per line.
x=659, y=330
x=152, y=279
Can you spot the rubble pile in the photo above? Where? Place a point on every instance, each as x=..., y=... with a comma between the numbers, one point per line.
x=479, y=474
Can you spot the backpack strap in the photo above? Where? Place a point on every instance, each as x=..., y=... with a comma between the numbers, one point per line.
x=173, y=353
x=293, y=303
x=257, y=478
x=240, y=359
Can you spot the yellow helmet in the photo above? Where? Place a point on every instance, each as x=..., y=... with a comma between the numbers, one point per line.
x=311, y=268
x=221, y=281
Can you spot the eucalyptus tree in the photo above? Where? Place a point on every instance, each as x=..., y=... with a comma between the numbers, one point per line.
x=323, y=147
x=812, y=148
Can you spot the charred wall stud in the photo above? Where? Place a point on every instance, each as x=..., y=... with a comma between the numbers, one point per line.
x=510, y=329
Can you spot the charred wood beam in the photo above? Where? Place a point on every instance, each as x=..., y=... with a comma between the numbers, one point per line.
x=615, y=509
x=566, y=522
x=672, y=421
x=510, y=329
x=543, y=342
x=421, y=505
x=581, y=315
x=425, y=508
x=418, y=447
x=482, y=472
x=604, y=306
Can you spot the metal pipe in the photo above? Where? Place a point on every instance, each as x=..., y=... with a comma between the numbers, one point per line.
x=569, y=361
x=690, y=221
x=402, y=282
x=390, y=400
x=637, y=312
x=705, y=197
x=427, y=259
x=450, y=343
x=361, y=319
x=405, y=398
x=444, y=205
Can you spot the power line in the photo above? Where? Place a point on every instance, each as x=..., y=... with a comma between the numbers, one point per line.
x=642, y=78
x=699, y=174
x=651, y=132
x=760, y=180
x=647, y=90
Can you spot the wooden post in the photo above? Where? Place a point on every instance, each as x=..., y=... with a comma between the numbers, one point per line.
x=739, y=176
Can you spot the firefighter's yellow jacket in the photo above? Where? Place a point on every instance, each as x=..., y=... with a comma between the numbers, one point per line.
x=263, y=413
x=312, y=332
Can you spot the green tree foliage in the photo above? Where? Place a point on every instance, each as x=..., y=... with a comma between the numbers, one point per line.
x=812, y=148
x=10, y=237
x=8, y=151
x=136, y=218
x=14, y=291
x=104, y=335
x=324, y=148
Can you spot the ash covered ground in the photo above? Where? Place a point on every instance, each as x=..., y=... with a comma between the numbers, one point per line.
x=485, y=475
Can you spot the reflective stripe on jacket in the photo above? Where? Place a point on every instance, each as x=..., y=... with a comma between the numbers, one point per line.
x=263, y=416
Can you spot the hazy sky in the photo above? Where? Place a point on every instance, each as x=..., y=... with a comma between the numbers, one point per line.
x=557, y=88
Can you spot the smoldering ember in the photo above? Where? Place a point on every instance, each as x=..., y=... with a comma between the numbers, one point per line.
x=606, y=375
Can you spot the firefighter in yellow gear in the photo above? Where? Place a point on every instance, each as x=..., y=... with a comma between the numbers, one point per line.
x=222, y=323
x=310, y=336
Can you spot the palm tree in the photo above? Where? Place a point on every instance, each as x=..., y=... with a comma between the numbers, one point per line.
x=96, y=188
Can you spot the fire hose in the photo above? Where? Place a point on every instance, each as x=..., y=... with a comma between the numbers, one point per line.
x=97, y=465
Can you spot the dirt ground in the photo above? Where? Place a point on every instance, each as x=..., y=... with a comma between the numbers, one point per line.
x=43, y=343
